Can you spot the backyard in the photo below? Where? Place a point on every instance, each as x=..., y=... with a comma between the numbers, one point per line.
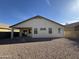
x=55, y=49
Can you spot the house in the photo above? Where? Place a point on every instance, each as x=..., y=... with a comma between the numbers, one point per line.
x=5, y=31
x=39, y=27
x=4, y=28
x=72, y=30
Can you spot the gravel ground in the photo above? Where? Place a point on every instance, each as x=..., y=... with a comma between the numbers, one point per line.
x=55, y=49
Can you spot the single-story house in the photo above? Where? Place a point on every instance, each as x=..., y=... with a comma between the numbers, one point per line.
x=39, y=27
x=72, y=30
x=5, y=31
x=5, y=28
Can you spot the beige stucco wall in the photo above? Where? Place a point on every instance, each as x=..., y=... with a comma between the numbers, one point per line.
x=77, y=34
x=71, y=33
x=41, y=23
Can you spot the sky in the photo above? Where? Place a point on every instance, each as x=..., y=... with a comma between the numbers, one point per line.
x=61, y=11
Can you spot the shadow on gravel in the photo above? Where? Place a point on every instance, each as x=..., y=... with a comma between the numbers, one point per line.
x=75, y=40
x=23, y=40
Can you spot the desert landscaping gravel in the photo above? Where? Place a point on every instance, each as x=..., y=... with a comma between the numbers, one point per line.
x=55, y=49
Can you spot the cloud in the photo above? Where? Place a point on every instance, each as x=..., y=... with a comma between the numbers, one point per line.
x=48, y=2
x=70, y=21
x=74, y=6
x=73, y=21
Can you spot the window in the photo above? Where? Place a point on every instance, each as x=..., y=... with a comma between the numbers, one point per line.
x=59, y=30
x=35, y=31
x=50, y=30
x=42, y=28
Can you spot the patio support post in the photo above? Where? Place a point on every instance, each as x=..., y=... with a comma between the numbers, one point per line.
x=12, y=33
x=20, y=34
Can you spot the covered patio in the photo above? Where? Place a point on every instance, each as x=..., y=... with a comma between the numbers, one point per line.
x=23, y=32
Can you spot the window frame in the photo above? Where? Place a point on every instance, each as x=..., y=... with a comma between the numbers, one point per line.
x=42, y=28
x=59, y=30
x=50, y=30
x=35, y=31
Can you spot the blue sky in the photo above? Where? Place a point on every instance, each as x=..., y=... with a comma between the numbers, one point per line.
x=62, y=11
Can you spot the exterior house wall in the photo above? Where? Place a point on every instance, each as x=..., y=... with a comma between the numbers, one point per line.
x=41, y=23
x=77, y=34
x=71, y=32
x=77, y=31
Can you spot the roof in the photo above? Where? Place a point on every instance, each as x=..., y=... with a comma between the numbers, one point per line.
x=37, y=17
x=72, y=24
x=4, y=26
